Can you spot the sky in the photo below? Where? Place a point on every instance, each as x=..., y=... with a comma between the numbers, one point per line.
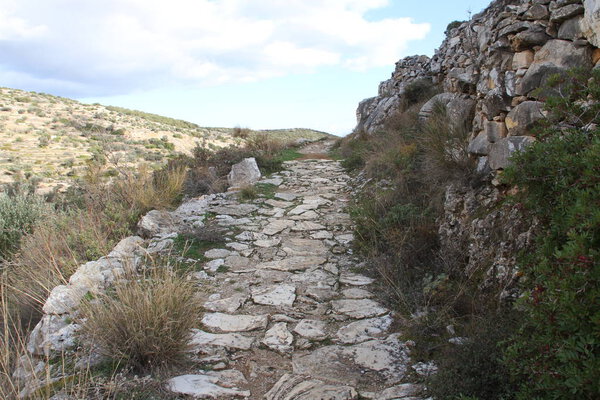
x=260, y=64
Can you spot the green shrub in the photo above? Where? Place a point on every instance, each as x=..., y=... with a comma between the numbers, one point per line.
x=18, y=216
x=557, y=350
x=453, y=25
x=474, y=368
x=417, y=91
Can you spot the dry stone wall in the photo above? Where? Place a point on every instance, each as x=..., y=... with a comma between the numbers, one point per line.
x=489, y=70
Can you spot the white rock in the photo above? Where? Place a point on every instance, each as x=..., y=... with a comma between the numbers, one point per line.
x=244, y=173
x=311, y=329
x=300, y=387
x=384, y=360
x=64, y=299
x=235, y=323
x=214, y=265
x=358, y=308
x=203, y=387
x=267, y=243
x=293, y=263
x=366, y=329
x=277, y=226
x=279, y=338
x=280, y=295
x=321, y=235
x=200, y=339
x=286, y=196
x=228, y=305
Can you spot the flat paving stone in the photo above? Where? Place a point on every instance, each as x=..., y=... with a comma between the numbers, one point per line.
x=301, y=387
x=200, y=339
x=363, y=330
x=204, y=386
x=358, y=308
x=278, y=295
x=293, y=263
x=235, y=323
x=369, y=364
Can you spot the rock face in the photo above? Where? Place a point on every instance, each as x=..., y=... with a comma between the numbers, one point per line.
x=244, y=173
x=491, y=64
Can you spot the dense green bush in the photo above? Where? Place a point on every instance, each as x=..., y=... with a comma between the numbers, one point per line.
x=557, y=350
x=18, y=215
x=475, y=368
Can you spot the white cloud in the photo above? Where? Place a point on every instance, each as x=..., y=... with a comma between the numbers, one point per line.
x=114, y=46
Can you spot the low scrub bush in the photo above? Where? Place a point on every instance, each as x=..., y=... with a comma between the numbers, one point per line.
x=145, y=324
x=18, y=215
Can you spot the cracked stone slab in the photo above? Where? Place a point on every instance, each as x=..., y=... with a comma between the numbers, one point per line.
x=363, y=330
x=228, y=305
x=279, y=338
x=358, y=308
x=307, y=226
x=235, y=323
x=311, y=329
x=303, y=247
x=317, y=278
x=361, y=364
x=279, y=295
x=204, y=386
x=277, y=226
x=293, y=263
x=200, y=339
x=300, y=387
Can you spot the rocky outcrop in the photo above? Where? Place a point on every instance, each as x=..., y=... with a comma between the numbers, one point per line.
x=490, y=70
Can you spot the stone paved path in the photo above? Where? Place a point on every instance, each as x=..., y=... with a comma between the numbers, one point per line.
x=287, y=317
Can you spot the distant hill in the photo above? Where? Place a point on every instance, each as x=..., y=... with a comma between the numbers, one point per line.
x=53, y=138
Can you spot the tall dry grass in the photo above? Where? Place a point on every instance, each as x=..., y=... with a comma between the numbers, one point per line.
x=146, y=323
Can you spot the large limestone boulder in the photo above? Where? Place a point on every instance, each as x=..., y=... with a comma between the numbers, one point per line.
x=591, y=21
x=158, y=223
x=521, y=119
x=501, y=151
x=556, y=56
x=244, y=173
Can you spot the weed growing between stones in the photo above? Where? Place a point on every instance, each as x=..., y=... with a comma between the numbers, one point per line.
x=146, y=323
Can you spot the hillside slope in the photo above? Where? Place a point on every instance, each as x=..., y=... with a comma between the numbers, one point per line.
x=53, y=138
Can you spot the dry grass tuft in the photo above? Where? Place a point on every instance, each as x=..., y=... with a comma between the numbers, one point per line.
x=146, y=322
